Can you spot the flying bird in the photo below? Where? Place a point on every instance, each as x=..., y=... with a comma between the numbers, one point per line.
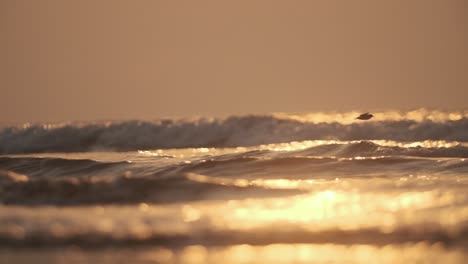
x=365, y=116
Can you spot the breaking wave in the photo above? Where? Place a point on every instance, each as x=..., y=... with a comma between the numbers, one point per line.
x=233, y=131
x=247, y=174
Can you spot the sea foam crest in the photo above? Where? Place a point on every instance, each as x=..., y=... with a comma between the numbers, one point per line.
x=249, y=130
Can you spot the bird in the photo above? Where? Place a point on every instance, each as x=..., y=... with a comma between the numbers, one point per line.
x=365, y=116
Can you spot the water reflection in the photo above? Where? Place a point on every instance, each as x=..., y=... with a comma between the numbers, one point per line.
x=310, y=253
x=341, y=210
x=274, y=253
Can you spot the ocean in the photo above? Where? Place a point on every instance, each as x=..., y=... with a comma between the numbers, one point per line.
x=276, y=188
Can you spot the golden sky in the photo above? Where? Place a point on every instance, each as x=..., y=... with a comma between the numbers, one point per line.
x=111, y=59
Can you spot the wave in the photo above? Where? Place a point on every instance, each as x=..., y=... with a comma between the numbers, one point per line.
x=233, y=131
x=51, y=167
x=179, y=225
x=125, y=189
x=259, y=173
x=266, y=236
x=328, y=156
x=369, y=148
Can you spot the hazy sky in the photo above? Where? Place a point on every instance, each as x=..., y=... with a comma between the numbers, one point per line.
x=88, y=60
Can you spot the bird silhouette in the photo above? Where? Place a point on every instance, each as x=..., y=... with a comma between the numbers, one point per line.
x=365, y=116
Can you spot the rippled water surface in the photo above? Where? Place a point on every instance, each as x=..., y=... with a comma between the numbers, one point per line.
x=252, y=189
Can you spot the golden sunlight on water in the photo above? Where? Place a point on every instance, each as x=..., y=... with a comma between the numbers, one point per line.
x=343, y=210
x=278, y=147
x=300, y=145
x=333, y=205
x=308, y=253
x=274, y=253
x=329, y=225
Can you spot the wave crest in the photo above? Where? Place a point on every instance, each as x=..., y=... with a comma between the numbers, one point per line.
x=229, y=132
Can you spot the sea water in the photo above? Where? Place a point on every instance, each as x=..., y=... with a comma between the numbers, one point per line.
x=280, y=188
